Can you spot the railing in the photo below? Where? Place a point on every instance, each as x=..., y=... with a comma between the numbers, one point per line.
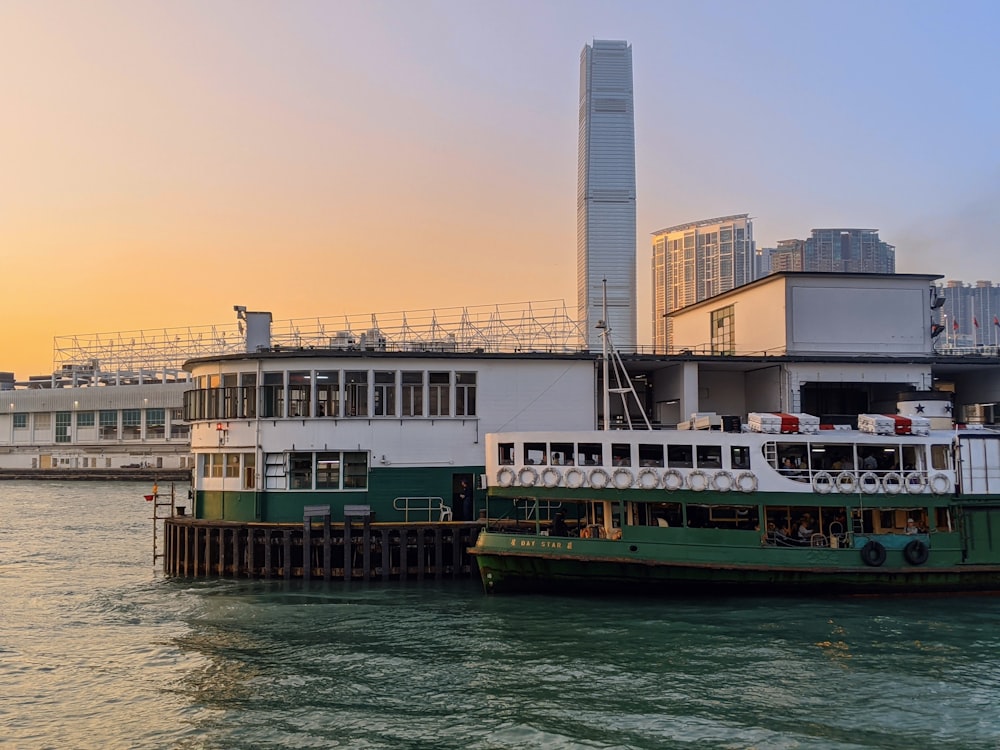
x=435, y=507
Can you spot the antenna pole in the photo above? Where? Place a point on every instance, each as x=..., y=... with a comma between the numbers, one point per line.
x=604, y=354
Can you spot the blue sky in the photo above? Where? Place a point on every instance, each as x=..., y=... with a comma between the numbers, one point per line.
x=318, y=158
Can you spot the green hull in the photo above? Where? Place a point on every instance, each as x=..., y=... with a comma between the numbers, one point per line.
x=519, y=562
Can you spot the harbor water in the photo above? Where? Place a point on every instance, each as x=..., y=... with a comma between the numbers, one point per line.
x=99, y=650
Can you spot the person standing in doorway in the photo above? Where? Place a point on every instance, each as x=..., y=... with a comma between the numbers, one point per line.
x=465, y=500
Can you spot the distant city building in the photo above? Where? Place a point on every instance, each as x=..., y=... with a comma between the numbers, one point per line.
x=697, y=260
x=789, y=255
x=970, y=313
x=847, y=250
x=605, y=225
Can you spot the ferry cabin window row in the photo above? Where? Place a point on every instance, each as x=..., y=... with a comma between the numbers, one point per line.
x=103, y=425
x=333, y=393
x=795, y=460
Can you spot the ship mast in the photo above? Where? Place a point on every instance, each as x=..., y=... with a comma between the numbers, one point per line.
x=611, y=358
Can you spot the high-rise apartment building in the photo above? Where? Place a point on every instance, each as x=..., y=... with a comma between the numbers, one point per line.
x=970, y=314
x=605, y=222
x=694, y=261
x=849, y=250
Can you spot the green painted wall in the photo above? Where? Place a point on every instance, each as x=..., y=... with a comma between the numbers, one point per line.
x=384, y=485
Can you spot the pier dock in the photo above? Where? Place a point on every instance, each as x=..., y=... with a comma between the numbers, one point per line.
x=318, y=549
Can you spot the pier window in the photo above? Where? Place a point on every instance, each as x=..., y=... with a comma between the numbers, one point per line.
x=249, y=471
x=328, y=471
x=465, y=394
x=232, y=468
x=328, y=393
x=356, y=392
x=230, y=397
x=299, y=394
x=272, y=395
x=177, y=427
x=108, y=425
x=85, y=419
x=300, y=471
x=385, y=394
x=43, y=420
x=248, y=394
x=680, y=457
x=355, y=470
x=439, y=384
x=131, y=424
x=156, y=424
x=20, y=420
x=413, y=394
x=723, y=330
x=650, y=455
x=214, y=461
x=63, y=420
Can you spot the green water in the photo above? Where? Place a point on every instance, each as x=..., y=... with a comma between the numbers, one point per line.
x=98, y=650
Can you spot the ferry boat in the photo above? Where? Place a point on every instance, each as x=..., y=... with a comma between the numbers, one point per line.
x=797, y=509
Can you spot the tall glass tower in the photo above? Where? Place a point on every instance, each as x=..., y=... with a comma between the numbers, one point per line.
x=605, y=204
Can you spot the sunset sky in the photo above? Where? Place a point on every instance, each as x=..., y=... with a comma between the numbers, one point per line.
x=162, y=162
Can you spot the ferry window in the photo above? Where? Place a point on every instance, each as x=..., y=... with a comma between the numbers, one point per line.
x=299, y=394
x=20, y=420
x=156, y=423
x=710, y=456
x=355, y=471
x=662, y=514
x=328, y=393
x=621, y=454
x=440, y=385
x=590, y=454
x=733, y=516
x=328, y=471
x=680, y=457
x=939, y=457
x=249, y=471
x=506, y=457
x=63, y=419
x=131, y=424
x=870, y=457
x=562, y=454
x=739, y=456
x=385, y=394
x=650, y=455
x=913, y=458
x=232, y=465
x=300, y=471
x=356, y=393
x=413, y=394
x=272, y=395
x=465, y=394
x=109, y=425
x=534, y=453
x=86, y=419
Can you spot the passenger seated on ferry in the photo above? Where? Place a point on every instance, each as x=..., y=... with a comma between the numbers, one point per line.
x=869, y=463
x=911, y=527
x=806, y=528
x=559, y=527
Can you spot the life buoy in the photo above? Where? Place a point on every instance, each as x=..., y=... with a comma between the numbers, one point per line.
x=846, y=482
x=550, y=477
x=746, y=482
x=599, y=479
x=505, y=477
x=723, y=481
x=940, y=484
x=697, y=480
x=622, y=478
x=527, y=477
x=869, y=483
x=822, y=482
x=915, y=482
x=916, y=552
x=648, y=479
x=873, y=554
x=672, y=480
x=892, y=483
x=574, y=478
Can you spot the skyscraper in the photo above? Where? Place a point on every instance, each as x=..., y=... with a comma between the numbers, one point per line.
x=695, y=261
x=605, y=205
x=848, y=250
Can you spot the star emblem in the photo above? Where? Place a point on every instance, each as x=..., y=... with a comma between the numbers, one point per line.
x=920, y=408
x=947, y=408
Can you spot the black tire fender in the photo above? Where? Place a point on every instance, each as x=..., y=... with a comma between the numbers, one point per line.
x=873, y=554
x=916, y=552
